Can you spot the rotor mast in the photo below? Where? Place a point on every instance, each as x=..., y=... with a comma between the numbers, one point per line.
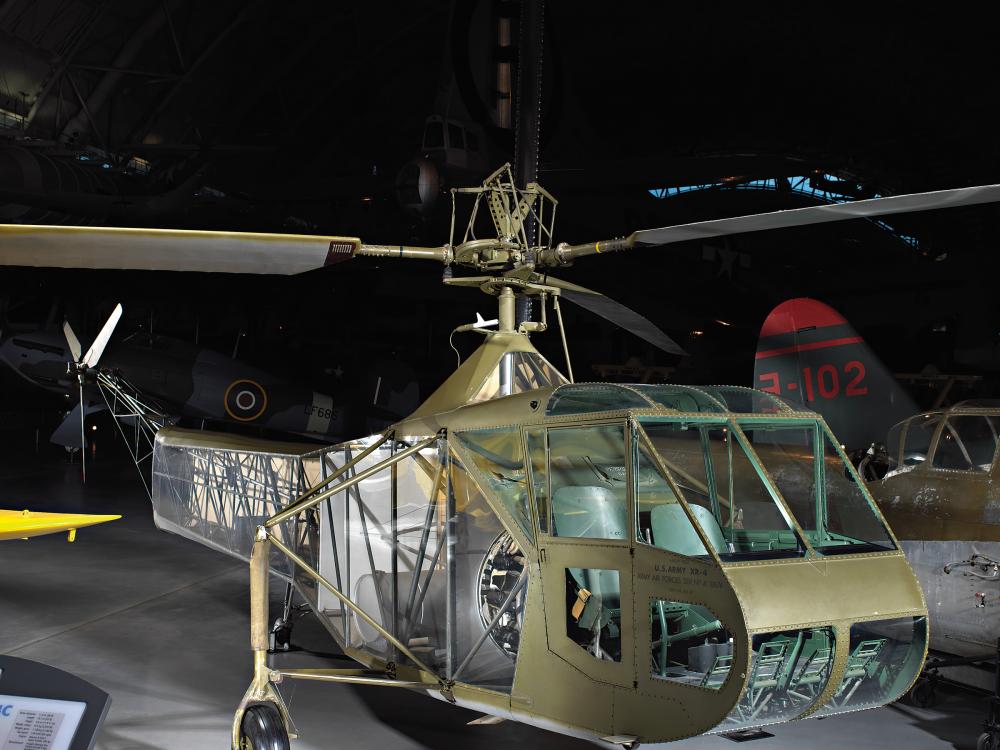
x=507, y=302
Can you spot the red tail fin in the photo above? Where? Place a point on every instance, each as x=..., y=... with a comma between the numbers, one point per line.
x=808, y=352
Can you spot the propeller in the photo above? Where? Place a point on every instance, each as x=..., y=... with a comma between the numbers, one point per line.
x=74, y=343
x=93, y=355
x=617, y=313
x=81, y=366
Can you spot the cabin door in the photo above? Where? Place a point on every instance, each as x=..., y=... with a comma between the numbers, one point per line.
x=586, y=551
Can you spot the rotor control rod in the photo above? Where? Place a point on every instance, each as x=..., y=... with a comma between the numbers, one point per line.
x=564, y=254
x=441, y=254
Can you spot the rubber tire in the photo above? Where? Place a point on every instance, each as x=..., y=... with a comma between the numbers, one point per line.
x=987, y=741
x=923, y=694
x=263, y=729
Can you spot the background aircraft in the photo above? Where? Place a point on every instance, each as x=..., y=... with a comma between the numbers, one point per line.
x=182, y=379
x=23, y=524
x=932, y=473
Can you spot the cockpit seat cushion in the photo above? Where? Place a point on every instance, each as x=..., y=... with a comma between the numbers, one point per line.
x=673, y=531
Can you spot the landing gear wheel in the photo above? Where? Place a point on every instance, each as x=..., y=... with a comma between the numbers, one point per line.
x=281, y=635
x=263, y=729
x=923, y=694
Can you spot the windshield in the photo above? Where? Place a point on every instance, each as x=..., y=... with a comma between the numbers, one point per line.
x=909, y=442
x=967, y=443
x=832, y=509
x=737, y=509
x=737, y=513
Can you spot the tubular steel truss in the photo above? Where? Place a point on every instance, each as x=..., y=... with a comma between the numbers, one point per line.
x=138, y=422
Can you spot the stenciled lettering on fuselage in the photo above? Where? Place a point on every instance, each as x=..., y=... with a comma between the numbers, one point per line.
x=320, y=414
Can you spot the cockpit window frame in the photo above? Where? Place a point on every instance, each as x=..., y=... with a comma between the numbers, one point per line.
x=823, y=429
x=729, y=421
x=942, y=417
x=945, y=423
x=640, y=437
x=463, y=452
x=736, y=423
x=569, y=422
x=733, y=422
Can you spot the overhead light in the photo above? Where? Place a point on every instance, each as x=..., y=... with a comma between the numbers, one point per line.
x=697, y=333
x=725, y=323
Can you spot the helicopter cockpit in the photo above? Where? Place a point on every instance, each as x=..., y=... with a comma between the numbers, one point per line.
x=962, y=437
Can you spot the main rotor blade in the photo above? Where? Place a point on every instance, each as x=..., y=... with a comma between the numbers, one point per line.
x=93, y=355
x=74, y=343
x=170, y=249
x=617, y=313
x=795, y=217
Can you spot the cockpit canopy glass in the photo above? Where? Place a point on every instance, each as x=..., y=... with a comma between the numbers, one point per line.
x=965, y=441
x=909, y=442
x=587, y=480
x=499, y=461
x=819, y=487
x=750, y=400
x=725, y=484
x=681, y=398
x=593, y=397
x=727, y=497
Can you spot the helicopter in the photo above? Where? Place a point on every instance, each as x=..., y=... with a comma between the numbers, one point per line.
x=622, y=563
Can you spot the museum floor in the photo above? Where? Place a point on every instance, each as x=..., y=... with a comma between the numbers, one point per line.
x=161, y=624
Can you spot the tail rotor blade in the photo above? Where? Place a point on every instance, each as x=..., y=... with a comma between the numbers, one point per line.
x=74, y=343
x=93, y=355
x=622, y=316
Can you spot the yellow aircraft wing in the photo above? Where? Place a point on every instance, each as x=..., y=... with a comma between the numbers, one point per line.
x=21, y=524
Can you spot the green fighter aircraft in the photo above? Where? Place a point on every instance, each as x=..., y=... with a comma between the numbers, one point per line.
x=621, y=563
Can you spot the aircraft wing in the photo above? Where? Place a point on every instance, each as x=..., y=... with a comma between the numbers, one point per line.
x=22, y=524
